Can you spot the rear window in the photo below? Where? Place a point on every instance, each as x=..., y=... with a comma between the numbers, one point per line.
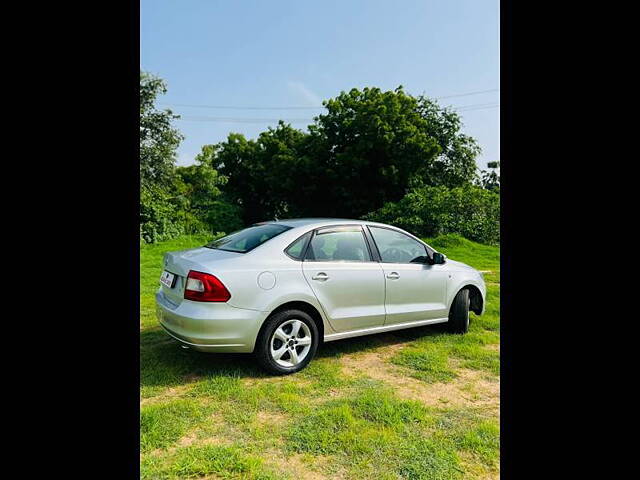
x=296, y=249
x=245, y=240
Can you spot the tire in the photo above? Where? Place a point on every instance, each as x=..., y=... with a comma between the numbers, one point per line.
x=459, y=313
x=278, y=350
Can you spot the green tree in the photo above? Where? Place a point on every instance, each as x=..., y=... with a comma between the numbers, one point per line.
x=455, y=165
x=365, y=150
x=158, y=138
x=262, y=176
x=201, y=199
x=470, y=211
x=159, y=213
x=368, y=148
x=490, y=179
x=175, y=200
x=371, y=146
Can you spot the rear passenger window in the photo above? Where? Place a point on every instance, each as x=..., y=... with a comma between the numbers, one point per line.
x=338, y=245
x=296, y=249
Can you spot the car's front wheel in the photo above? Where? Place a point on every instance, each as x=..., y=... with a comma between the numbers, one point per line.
x=459, y=313
x=288, y=342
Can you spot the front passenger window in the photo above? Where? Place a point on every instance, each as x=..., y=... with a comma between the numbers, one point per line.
x=338, y=245
x=396, y=247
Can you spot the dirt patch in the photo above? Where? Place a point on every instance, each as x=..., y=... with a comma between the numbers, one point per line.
x=475, y=471
x=214, y=440
x=197, y=436
x=187, y=440
x=469, y=388
x=172, y=392
x=168, y=394
x=270, y=418
x=303, y=467
x=251, y=381
x=302, y=470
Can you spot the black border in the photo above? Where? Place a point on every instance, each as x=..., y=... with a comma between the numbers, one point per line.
x=80, y=202
x=79, y=337
x=507, y=465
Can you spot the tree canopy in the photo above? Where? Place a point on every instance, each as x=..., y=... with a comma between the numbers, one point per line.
x=377, y=154
x=367, y=149
x=174, y=200
x=158, y=138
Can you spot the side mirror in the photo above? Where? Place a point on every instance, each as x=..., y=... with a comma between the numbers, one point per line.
x=438, y=258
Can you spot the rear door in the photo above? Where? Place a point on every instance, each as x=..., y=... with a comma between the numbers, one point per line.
x=349, y=285
x=414, y=291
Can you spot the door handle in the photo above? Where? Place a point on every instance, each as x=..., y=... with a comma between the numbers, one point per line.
x=393, y=276
x=320, y=276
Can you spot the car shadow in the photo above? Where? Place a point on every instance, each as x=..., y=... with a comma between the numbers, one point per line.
x=164, y=363
x=373, y=342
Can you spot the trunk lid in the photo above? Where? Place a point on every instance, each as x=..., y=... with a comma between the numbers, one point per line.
x=179, y=263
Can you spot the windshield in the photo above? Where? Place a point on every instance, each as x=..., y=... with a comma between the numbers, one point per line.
x=244, y=240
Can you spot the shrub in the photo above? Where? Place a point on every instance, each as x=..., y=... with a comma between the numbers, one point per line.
x=164, y=217
x=470, y=211
x=224, y=217
x=158, y=216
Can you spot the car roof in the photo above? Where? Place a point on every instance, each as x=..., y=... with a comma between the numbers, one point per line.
x=301, y=222
x=322, y=222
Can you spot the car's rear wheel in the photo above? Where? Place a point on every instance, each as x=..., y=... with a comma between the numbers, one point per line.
x=459, y=313
x=287, y=343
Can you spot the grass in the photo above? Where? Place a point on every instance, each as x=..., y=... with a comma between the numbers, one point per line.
x=151, y=268
x=228, y=462
x=412, y=404
x=405, y=438
x=165, y=423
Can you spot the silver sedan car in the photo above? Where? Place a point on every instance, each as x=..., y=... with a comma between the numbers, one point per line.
x=278, y=289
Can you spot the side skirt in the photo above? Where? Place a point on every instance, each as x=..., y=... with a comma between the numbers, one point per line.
x=383, y=328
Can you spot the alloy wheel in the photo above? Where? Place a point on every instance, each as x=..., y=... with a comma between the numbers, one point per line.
x=290, y=343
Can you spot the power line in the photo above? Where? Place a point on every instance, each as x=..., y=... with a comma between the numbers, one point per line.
x=469, y=93
x=483, y=108
x=200, y=118
x=477, y=106
x=196, y=118
x=235, y=107
x=238, y=108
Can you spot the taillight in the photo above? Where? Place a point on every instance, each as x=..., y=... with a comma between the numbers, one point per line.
x=202, y=287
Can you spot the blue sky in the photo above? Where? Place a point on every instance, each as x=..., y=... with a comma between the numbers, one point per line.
x=284, y=53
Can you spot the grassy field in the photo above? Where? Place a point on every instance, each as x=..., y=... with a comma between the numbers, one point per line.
x=414, y=404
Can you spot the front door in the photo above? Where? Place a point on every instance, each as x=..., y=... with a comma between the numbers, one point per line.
x=414, y=291
x=349, y=285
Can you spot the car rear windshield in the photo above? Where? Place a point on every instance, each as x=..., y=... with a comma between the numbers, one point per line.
x=245, y=240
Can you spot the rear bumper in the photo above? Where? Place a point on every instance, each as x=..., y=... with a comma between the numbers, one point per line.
x=210, y=327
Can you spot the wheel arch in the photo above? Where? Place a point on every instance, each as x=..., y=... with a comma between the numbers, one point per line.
x=306, y=307
x=475, y=297
x=476, y=302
